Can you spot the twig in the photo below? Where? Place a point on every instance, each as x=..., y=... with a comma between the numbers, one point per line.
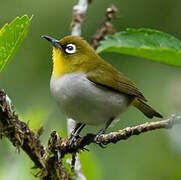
x=79, y=11
x=115, y=137
x=106, y=27
x=124, y=134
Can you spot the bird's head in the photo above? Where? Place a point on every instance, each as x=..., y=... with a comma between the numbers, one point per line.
x=72, y=54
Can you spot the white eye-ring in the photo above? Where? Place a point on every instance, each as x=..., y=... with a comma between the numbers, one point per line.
x=70, y=48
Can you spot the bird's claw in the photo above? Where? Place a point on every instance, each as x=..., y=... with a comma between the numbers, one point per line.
x=98, y=143
x=73, y=141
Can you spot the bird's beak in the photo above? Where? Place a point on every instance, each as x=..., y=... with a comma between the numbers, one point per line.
x=54, y=41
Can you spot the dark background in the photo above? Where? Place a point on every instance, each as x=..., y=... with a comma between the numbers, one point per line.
x=151, y=156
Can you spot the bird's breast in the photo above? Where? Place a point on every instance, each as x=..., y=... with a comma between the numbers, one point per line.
x=84, y=101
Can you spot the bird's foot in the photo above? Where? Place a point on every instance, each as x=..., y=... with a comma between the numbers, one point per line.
x=73, y=140
x=96, y=140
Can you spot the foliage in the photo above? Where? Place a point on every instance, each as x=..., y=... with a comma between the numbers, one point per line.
x=146, y=43
x=11, y=38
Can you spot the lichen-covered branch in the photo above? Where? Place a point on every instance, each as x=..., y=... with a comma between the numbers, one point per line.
x=106, y=27
x=126, y=133
x=19, y=133
x=23, y=138
x=115, y=137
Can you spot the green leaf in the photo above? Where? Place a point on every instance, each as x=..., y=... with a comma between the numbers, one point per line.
x=11, y=38
x=145, y=43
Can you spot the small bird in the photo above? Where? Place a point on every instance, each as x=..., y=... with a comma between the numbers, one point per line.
x=88, y=89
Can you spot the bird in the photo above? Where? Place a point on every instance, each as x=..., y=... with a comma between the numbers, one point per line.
x=88, y=89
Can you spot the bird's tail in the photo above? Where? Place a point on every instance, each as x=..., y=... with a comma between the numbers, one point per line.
x=145, y=109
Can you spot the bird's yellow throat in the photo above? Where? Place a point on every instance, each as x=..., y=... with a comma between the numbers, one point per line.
x=59, y=64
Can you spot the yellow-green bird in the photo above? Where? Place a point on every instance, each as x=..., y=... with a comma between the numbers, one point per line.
x=88, y=89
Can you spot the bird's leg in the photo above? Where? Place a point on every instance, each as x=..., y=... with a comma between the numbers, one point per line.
x=102, y=131
x=75, y=133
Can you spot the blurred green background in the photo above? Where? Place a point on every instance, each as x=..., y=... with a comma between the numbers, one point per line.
x=150, y=156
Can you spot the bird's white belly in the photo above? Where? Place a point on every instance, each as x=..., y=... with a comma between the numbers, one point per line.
x=84, y=101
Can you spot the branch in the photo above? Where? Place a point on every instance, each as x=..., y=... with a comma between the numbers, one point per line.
x=22, y=137
x=126, y=133
x=106, y=27
x=19, y=133
x=115, y=137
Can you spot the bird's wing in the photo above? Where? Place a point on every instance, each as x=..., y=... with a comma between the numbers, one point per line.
x=106, y=75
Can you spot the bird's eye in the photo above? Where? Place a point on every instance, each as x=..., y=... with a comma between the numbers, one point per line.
x=70, y=48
